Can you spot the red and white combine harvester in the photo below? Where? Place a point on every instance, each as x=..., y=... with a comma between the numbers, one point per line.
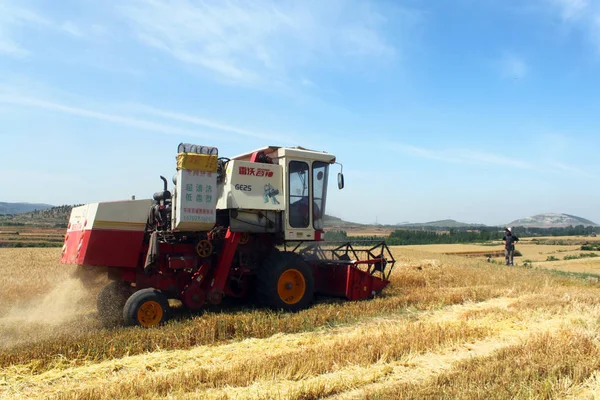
x=232, y=227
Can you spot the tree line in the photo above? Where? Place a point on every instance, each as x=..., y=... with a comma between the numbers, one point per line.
x=402, y=237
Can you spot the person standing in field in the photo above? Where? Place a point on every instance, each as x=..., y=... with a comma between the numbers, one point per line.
x=509, y=246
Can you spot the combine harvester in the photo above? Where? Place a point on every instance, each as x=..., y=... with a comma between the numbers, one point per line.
x=232, y=227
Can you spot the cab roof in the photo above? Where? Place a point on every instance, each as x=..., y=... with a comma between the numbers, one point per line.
x=292, y=152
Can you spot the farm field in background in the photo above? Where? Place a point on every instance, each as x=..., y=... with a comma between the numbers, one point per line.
x=573, y=239
x=366, y=231
x=536, y=255
x=19, y=236
x=448, y=326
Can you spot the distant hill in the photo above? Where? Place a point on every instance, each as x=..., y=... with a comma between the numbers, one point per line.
x=446, y=223
x=332, y=222
x=54, y=217
x=20, y=208
x=552, y=220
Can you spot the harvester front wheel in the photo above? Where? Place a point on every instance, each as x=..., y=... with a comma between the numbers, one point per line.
x=110, y=303
x=146, y=307
x=285, y=282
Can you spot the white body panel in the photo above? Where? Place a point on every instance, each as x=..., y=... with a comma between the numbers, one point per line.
x=252, y=186
x=130, y=215
x=195, y=200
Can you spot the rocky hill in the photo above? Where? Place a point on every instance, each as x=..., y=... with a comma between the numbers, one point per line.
x=551, y=220
x=332, y=222
x=20, y=208
x=54, y=217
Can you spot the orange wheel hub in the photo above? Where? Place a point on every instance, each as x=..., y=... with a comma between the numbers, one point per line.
x=150, y=314
x=291, y=286
x=245, y=238
x=204, y=248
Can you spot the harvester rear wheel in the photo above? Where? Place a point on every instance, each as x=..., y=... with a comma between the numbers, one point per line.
x=146, y=307
x=285, y=282
x=110, y=303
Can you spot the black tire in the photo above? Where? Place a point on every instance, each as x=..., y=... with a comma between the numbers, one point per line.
x=146, y=307
x=280, y=279
x=110, y=303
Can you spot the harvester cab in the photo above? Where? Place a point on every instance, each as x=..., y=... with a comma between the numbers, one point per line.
x=277, y=190
x=249, y=224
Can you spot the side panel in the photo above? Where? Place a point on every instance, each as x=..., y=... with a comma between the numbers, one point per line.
x=195, y=200
x=120, y=215
x=255, y=221
x=111, y=248
x=106, y=234
x=252, y=186
x=76, y=232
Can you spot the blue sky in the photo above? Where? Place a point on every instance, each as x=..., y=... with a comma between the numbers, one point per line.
x=478, y=110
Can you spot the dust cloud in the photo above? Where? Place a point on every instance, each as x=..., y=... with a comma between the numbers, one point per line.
x=67, y=309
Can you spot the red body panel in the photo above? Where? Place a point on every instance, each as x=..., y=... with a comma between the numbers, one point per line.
x=103, y=247
x=232, y=240
x=346, y=280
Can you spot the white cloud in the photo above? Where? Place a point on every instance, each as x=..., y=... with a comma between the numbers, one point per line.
x=571, y=9
x=11, y=96
x=476, y=157
x=71, y=28
x=13, y=20
x=513, y=66
x=308, y=83
x=142, y=124
x=461, y=156
x=181, y=117
x=571, y=170
x=9, y=47
x=584, y=15
x=17, y=23
x=258, y=42
x=421, y=152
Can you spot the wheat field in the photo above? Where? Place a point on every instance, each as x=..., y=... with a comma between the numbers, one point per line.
x=532, y=253
x=446, y=327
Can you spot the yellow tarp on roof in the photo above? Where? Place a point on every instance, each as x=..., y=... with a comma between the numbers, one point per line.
x=197, y=162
